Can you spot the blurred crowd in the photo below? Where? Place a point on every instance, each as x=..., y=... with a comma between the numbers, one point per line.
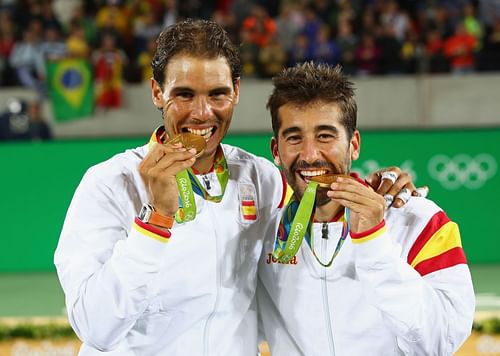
x=366, y=36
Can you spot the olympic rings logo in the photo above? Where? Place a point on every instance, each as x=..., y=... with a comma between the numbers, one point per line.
x=462, y=170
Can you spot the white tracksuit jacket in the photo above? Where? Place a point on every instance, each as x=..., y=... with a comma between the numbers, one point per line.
x=195, y=295
x=403, y=289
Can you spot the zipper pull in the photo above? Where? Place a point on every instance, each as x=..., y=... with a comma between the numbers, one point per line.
x=324, y=230
x=206, y=181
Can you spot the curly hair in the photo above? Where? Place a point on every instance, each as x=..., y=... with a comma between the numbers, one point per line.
x=198, y=38
x=309, y=83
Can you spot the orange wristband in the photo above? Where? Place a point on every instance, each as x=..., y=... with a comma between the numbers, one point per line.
x=149, y=215
x=161, y=220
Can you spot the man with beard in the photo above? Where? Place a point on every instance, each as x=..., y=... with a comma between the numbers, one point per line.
x=160, y=247
x=345, y=276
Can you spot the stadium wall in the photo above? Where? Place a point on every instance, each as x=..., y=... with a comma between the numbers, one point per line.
x=383, y=102
x=459, y=165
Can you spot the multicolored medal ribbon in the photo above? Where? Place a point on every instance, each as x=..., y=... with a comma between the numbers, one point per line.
x=296, y=224
x=187, y=183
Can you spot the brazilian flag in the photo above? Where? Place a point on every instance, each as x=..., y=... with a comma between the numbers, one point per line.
x=70, y=88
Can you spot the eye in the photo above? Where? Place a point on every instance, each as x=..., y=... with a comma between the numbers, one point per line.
x=293, y=139
x=325, y=137
x=184, y=95
x=218, y=95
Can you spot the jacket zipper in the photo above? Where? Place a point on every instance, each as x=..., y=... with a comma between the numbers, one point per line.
x=206, y=331
x=324, y=288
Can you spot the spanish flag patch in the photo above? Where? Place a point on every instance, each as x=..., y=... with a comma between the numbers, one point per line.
x=248, y=202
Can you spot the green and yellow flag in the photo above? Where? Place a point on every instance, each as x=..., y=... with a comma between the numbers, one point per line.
x=70, y=88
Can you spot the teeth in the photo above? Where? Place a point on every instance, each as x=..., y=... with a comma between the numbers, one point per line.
x=206, y=133
x=313, y=173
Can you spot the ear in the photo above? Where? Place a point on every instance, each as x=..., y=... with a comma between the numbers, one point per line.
x=274, y=151
x=157, y=94
x=237, y=91
x=355, y=145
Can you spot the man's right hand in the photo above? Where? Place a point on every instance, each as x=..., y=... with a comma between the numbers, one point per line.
x=158, y=170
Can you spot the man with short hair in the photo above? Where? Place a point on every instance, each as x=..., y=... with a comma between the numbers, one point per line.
x=345, y=276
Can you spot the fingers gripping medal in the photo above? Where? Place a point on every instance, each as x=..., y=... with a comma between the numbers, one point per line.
x=187, y=212
x=189, y=140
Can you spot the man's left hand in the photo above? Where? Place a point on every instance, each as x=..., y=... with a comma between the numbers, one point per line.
x=395, y=185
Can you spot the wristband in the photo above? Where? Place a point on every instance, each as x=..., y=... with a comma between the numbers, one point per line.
x=149, y=215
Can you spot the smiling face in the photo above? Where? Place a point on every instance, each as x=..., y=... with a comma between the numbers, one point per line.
x=198, y=97
x=311, y=141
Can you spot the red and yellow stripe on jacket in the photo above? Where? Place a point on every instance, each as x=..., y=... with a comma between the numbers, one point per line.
x=438, y=246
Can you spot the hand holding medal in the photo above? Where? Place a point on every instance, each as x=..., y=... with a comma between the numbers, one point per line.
x=160, y=167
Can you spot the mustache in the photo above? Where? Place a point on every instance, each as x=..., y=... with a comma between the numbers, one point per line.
x=317, y=164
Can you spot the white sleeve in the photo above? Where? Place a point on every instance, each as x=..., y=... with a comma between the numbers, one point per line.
x=431, y=315
x=104, y=265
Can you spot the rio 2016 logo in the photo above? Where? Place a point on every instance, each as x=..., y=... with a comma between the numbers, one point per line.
x=462, y=170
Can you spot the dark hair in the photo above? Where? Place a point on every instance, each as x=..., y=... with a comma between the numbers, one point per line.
x=308, y=83
x=198, y=38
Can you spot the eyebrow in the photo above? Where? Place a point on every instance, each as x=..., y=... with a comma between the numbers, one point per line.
x=290, y=130
x=224, y=89
x=295, y=129
x=327, y=128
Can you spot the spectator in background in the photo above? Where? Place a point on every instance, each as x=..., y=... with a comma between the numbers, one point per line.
x=347, y=43
x=367, y=55
x=392, y=17
x=434, y=52
x=49, y=18
x=490, y=56
x=459, y=49
x=228, y=22
x=7, y=42
x=472, y=25
x=86, y=22
x=312, y=24
x=170, y=13
x=145, y=28
x=249, y=53
x=288, y=24
x=53, y=48
x=411, y=53
x=390, y=51
x=112, y=16
x=368, y=22
x=439, y=19
x=39, y=129
x=76, y=43
x=108, y=61
x=272, y=58
x=301, y=50
x=144, y=60
x=260, y=26
x=27, y=60
x=23, y=121
x=323, y=49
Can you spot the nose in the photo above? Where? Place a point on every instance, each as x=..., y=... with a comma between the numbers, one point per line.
x=310, y=151
x=201, y=108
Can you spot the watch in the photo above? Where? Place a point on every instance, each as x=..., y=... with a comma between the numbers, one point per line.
x=149, y=215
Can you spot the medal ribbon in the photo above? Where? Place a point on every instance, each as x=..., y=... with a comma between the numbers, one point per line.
x=296, y=223
x=187, y=183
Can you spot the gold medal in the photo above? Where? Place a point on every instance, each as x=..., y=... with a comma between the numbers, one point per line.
x=189, y=140
x=326, y=180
